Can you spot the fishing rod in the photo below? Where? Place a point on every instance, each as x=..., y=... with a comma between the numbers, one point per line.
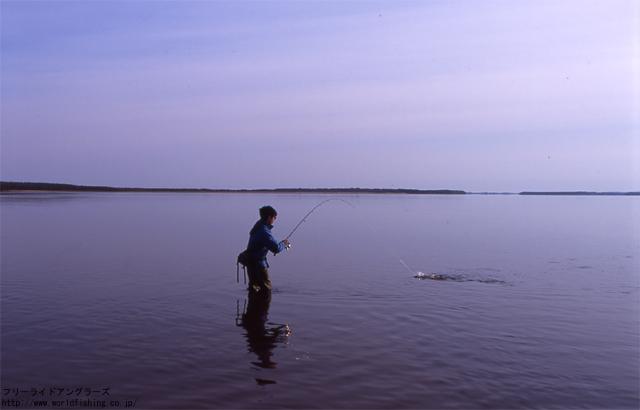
x=304, y=218
x=376, y=234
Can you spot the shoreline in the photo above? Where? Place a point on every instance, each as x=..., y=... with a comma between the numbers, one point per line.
x=36, y=187
x=10, y=186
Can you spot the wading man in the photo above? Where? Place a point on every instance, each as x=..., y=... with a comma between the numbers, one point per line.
x=260, y=242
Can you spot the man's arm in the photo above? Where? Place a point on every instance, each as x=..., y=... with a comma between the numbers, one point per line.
x=275, y=246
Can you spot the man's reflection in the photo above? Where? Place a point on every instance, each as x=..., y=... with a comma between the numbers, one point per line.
x=262, y=336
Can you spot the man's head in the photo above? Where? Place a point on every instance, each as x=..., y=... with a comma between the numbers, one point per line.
x=268, y=214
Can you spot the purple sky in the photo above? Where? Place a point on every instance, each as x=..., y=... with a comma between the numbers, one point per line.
x=473, y=95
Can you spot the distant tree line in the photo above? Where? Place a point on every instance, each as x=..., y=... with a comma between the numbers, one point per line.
x=46, y=186
x=6, y=186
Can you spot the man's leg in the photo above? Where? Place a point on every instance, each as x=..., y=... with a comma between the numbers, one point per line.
x=264, y=280
x=253, y=272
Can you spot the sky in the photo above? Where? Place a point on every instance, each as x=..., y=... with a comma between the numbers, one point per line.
x=472, y=95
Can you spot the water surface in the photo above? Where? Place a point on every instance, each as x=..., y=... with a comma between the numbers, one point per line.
x=538, y=306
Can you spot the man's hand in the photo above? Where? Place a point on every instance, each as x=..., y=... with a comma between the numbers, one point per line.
x=287, y=244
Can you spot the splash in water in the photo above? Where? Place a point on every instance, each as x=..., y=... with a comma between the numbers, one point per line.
x=455, y=278
x=432, y=276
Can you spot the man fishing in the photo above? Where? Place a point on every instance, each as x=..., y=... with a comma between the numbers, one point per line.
x=260, y=242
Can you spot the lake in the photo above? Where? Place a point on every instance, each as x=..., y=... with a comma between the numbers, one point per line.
x=132, y=299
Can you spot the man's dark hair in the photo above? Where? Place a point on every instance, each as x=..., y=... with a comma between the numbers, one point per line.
x=267, y=211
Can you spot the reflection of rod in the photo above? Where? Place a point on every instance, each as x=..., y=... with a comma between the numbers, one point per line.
x=311, y=211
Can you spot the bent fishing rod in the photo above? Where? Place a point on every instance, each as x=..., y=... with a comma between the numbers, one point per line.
x=304, y=218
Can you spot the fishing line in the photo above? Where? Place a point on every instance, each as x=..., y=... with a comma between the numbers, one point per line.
x=407, y=266
x=368, y=225
x=388, y=249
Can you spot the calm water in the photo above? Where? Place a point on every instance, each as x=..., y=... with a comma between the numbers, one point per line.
x=137, y=292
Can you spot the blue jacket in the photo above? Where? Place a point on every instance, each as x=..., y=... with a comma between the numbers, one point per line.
x=261, y=241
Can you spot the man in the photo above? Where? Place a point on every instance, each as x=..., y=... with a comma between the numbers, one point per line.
x=260, y=242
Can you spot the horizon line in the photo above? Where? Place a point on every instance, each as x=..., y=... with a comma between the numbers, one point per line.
x=7, y=186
